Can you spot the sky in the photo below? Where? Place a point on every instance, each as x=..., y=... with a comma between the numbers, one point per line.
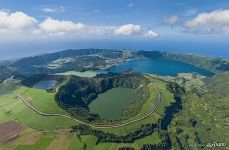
x=43, y=26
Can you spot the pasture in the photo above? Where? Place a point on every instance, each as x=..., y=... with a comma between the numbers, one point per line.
x=12, y=108
x=49, y=132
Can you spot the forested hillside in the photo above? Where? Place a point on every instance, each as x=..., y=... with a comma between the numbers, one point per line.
x=68, y=60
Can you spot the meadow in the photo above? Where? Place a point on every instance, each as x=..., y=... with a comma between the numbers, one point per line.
x=52, y=132
x=12, y=108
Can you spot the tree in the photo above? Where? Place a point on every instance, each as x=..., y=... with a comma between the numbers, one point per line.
x=84, y=146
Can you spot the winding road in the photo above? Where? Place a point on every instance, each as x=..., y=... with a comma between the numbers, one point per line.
x=93, y=125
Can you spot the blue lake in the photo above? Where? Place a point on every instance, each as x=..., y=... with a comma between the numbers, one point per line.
x=160, y=67
x=45, y=84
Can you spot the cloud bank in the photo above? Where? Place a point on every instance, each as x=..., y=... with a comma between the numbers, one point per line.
x=131, y=29
x=20, y=21
x=16, y=21
x=215, y=22
x=50, y=25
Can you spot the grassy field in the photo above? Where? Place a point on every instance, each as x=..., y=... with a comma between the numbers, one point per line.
x=204, y=117
x=12, y=108
x=32, y=139
x=152, y=139
x=42, y=143
x=41, y=131
x=75, y=144
x=166, y=96
x=42, y=100
x=90, y=143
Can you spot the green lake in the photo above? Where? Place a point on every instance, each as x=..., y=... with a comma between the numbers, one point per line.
x=110, y=104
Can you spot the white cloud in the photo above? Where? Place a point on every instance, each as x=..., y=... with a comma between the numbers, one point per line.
x=56, y=26
x=60, y=9
x=210, y=23
x=172, y=20
x=131, y=29
x=150, y=34
x=20, y=24
x=128, y=29
x=16, y=21
x=63, y=27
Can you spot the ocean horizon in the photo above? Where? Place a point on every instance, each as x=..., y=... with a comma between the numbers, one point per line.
x=213, y=47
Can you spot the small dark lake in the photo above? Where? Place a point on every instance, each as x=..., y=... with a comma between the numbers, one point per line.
x=45, y=84
x=159, y=66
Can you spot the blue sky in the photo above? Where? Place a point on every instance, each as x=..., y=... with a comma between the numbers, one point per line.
x=191, y=26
